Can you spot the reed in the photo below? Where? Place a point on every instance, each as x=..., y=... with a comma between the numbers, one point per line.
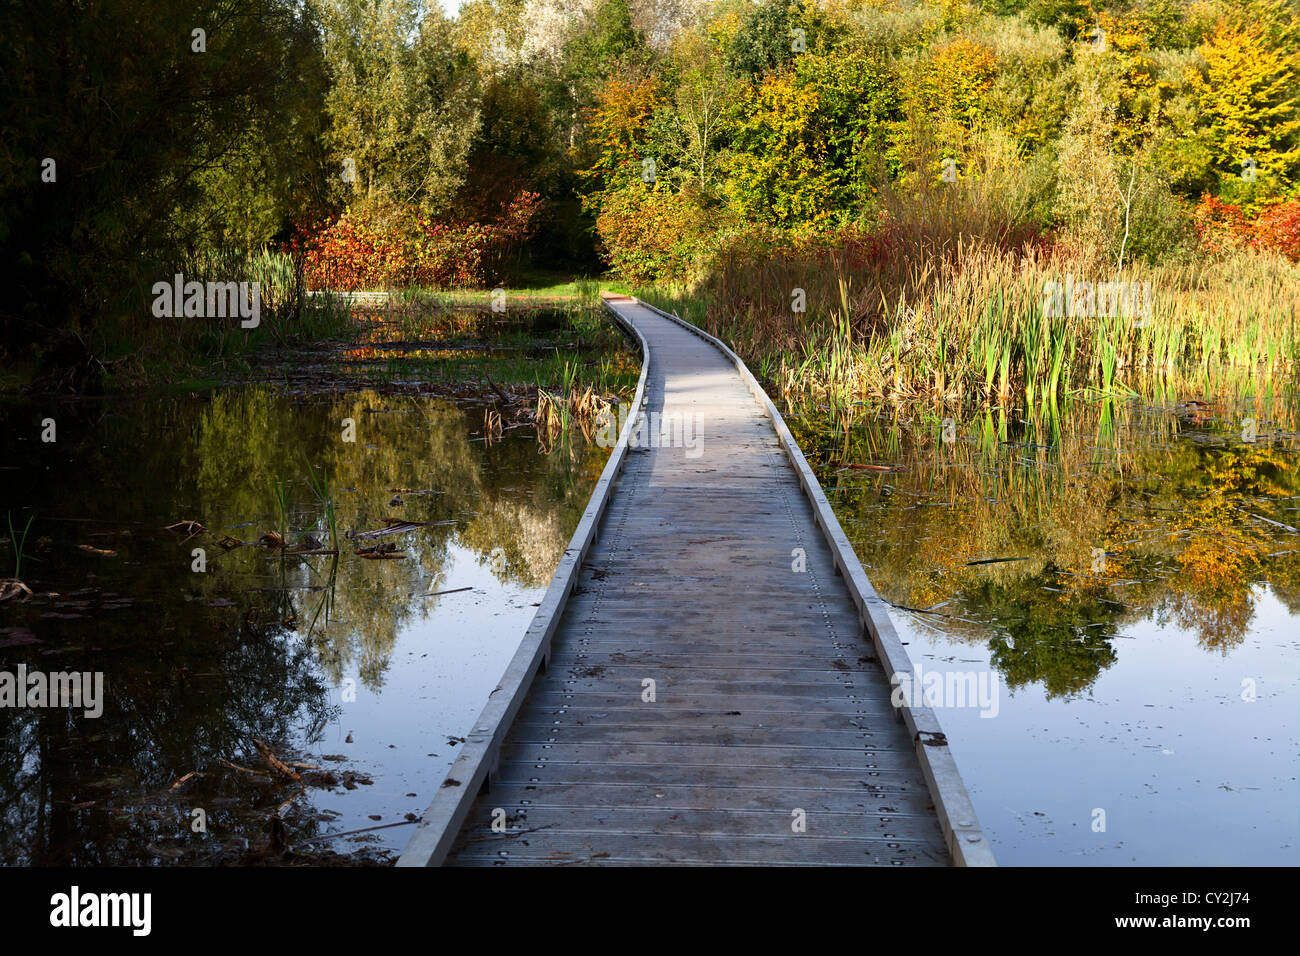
x=146, y=350
x=320, y=489
x=19, y=543
x=280, y=492
x=973, y=320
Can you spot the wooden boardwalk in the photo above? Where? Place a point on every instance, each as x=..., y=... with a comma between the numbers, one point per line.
x=707, y=681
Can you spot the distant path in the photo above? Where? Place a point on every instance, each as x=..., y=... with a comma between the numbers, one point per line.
x=771, y=737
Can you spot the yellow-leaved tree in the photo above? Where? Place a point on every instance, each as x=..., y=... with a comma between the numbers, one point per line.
x=1247, y=94
x=618, y=131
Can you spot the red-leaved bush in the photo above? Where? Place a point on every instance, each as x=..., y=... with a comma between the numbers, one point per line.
x=1278, y=228
x=1223, y=226
x=356, y=251
x=1220, y=225
x=348, y=253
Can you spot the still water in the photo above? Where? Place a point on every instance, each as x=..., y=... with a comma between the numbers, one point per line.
x=356, y=673
x=1125, y=577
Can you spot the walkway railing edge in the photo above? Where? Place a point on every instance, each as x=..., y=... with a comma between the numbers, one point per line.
x=966, y=841
x=479, y=756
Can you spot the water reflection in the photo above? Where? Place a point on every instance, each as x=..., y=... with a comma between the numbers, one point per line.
x=1099, y=560
x=353, y=663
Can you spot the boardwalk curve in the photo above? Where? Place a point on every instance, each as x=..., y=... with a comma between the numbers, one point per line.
x=707, y=679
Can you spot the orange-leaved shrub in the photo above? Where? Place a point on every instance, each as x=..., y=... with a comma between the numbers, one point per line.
x=1223, y=226
x=653, y=235
x=362, y=250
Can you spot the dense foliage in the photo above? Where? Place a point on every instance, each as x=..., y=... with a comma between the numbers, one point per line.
x=394, y=144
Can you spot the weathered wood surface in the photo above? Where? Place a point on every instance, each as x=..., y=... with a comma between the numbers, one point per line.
x=771, y=706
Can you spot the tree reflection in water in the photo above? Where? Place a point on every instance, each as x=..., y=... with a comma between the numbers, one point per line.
x=197, y=665
x=1117, y=512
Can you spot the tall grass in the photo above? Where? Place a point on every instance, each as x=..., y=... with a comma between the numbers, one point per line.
x=150, y=349
x=955, y=321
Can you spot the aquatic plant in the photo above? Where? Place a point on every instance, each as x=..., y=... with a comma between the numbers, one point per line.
x=19, y=543
x=320, y=489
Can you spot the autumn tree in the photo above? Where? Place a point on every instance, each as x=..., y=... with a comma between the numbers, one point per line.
x=618, y=125
x=807, y=143
x=1247, y=97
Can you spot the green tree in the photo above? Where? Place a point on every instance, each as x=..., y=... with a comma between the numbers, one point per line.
x=693, y=131
x=113, y=114
x=402, y=103
x=514, y=148
x=774, y=34
x=807, y=144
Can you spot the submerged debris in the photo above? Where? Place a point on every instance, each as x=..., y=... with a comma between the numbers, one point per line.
x=380, y=551
x=94, y=550
x=275, y=762
x=13, y=588
x=191, y=529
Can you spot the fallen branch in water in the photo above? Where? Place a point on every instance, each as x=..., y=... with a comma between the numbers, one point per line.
x=274, y=761
x=279, y=811
x=189, y=776
x=452, y=591
x=500, y=394
x=1276, y=524
x=190, y=529
x=12, y=587
x=234, y=766
x=382, y=826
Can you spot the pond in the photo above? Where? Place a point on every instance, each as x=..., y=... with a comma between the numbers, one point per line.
x=170, y=550
x=1109, y=599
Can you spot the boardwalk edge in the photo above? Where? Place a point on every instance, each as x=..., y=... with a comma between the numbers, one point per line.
x=477, y=761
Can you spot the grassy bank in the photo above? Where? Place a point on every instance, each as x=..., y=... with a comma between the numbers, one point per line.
x=135, y=348
x=140, y=350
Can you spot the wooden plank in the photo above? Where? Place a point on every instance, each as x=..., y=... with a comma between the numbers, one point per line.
x=694, y=850
x=875, y=716
x=875, y=780
x=776, y=821
x=786, y=760
x=691, y=703
x=882, y=804
x=669, y=688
